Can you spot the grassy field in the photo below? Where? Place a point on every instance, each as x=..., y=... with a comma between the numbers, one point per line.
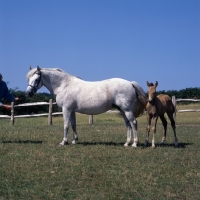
x=32, y=166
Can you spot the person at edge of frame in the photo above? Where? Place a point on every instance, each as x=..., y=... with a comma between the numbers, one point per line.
x=6, y=94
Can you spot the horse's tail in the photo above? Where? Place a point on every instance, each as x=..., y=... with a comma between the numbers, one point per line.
x=140, y=94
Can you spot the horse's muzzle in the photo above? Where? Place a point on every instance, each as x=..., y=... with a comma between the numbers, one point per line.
x=29, y=93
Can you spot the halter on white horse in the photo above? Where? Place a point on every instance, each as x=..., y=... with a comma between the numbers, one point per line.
x=76, y=95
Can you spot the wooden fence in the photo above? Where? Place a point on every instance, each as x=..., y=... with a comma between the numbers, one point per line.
x=174, y=100
x=50, y=114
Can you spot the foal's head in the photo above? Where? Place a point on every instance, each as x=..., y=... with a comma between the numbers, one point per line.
x=151, y=91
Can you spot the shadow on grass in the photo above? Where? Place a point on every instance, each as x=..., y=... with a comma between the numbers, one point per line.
x=180, y=145
x=106, y=143
x=22, y=142
x=158, y=145
x=101, y=143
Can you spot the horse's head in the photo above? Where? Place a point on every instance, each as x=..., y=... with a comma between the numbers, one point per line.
x=151, y=91
x=34, y=81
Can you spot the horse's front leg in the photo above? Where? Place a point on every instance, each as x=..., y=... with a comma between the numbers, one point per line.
x=66, y=118
x=154, y=131
x=148, y=130
x=73, y=123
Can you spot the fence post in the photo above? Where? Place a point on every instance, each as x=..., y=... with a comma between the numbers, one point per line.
x=12, y=118
x=50, y=112
x=91, y=119
x=174, y=102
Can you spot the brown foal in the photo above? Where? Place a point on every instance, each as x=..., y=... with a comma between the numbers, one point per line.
x=156, y=107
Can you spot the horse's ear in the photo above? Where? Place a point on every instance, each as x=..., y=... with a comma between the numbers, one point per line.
x=156, y=84
x=38, y=68
x=148, y=84
x=30, y=67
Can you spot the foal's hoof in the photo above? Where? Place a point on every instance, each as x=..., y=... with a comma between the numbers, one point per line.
x=162, y=143
x=146, y=144
x=176, y=144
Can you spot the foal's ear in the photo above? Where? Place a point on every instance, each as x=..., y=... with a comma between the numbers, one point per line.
x=38, y=68
x=148, y=84
x=30, y=67
x=156, y=84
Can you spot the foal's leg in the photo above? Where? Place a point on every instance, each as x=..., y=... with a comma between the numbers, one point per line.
x=148, y=130
x=66, y=117
x=164, y=122
x=73, y=123
x=154, y=131
x=170, y=115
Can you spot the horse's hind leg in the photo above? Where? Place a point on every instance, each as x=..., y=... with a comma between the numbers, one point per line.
x=128, y=126
x=131, y=124
x=164, y=122
x=73, y=123
x=134, y=128
x=170, y=115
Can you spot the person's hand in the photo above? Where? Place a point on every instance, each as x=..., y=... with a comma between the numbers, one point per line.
x=8, y=107
x=16, y=98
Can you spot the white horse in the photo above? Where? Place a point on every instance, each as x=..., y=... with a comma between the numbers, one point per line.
x=92, y=98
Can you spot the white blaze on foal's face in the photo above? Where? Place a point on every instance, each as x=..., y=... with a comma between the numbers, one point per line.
x=151, y=91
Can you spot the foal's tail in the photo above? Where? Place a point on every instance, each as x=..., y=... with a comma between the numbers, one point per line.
x=140, y=93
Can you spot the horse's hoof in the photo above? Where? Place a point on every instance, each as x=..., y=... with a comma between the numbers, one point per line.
x=63, y=143
x=153, y=147
x=126, y=144
x=134, y=146
x=74, y=141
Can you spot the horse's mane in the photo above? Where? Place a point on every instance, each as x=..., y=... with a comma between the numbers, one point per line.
x=32, y=71
x=151, y=84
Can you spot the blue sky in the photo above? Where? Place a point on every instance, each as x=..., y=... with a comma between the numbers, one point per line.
x=136, y=40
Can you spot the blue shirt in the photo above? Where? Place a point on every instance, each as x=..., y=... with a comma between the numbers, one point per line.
x=5, y=93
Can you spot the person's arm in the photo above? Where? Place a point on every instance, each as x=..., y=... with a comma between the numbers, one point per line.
x=8, y=95
x=8, y=107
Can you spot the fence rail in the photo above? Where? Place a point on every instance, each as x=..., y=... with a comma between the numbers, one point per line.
x=174, y=100
x=50, y=114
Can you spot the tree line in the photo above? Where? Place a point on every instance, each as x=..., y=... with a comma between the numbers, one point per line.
x=188, y=93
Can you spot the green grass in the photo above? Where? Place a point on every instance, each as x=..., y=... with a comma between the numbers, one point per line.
x=32, y=166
